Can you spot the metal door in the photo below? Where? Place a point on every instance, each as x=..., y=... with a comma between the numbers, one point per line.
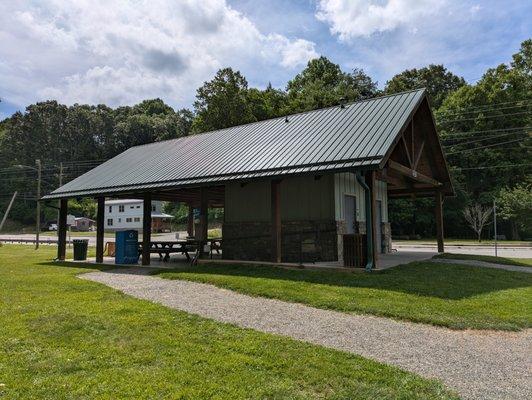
x=350, y=210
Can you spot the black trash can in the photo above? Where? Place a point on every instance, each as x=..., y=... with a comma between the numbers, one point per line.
x=80, y=249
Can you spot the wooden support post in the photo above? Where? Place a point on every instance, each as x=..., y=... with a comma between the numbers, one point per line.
x=100, y=215
x=373, y=187
x=276, y=221
x=438, y=215
x=146, y=229
x=204, y=208
x=62, y=229
x=190, y=221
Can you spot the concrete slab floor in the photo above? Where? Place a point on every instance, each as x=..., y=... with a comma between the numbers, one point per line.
x=385, y=261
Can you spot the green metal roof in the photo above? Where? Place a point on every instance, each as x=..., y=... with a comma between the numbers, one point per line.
x=334, y=138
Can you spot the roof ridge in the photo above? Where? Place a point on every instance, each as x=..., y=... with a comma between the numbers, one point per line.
x=282, y=116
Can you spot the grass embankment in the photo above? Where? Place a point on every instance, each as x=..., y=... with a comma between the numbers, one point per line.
x=62, y=337
x=454, y=296
x=521, y=262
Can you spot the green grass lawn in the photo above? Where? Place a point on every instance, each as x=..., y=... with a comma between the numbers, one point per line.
x=66, y=338
x=522, y=262
x=454, y=296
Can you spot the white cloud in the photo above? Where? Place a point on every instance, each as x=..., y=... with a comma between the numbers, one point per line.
x=362, y=18
x=293, y=53
x=122, y=52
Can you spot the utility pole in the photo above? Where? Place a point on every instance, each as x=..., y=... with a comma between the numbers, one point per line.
x=60, y=184
x=7, y=211
x=38, y=221
x=495, y=224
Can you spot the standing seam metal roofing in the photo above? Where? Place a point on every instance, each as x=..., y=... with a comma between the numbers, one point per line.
x=332, y=138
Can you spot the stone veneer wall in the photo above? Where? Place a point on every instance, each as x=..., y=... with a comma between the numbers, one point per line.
x=302, y=241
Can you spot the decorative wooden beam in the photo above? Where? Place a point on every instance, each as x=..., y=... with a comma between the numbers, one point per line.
x=100, y=226
x=372, y=183
x=407, y=151
x=412, y=174
x=204, y=223
x=61, y=229
x=438, y=215
x=418, y=155
x=412, y=139
x=146, y=229
x=394, y=180
x=190, y=221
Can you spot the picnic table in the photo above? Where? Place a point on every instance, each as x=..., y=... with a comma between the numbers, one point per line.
x=184, y=246
x=164, y=249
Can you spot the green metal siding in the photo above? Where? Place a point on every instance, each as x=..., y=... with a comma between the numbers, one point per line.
x=307, y=199
x=248, y=203
x=302, y=199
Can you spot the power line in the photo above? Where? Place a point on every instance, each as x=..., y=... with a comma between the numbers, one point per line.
x=462, y=133
x=492, y=167
x=486, y=116
x=497, y=104
x=490, y=107
x=479, y=140
x=484, y=147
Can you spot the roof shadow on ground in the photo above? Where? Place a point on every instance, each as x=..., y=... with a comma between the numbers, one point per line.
x=88, y=266
x=430, y=279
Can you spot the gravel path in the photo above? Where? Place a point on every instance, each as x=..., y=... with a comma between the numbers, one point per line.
x=478, y=364
x=484, y=264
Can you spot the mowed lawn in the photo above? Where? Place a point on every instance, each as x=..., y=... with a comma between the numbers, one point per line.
x=66, y=338
x=454, y=296
x=521, y=262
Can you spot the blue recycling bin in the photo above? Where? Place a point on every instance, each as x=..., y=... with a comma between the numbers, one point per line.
x=126, y=247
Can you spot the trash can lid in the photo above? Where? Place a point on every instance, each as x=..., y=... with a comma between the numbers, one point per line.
x=80, y=240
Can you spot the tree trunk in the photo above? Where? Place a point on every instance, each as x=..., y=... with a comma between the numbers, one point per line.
x=515, y=231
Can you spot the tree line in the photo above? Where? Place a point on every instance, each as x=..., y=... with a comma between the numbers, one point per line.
x=484, y=129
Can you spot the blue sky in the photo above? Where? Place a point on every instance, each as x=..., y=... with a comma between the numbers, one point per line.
x=121, y=52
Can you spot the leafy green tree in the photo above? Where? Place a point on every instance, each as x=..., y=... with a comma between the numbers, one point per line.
x=322, y=84
x=515, y=205
x=436, y=78
x=268, y=103
x=222, y=102
x=487, y=125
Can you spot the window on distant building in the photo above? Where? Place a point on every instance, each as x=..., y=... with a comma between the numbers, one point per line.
x=120, y=208
x=153, y=208
x=131, y=206
x=110, y=222
x=138, y=206
x=110, y=209
x=128, y=219
x=119, y=219
x=137, y=219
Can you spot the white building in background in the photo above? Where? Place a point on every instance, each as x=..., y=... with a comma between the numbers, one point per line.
x=127, y=214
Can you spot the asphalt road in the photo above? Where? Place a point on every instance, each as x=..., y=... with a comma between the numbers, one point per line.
x=503, y=251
